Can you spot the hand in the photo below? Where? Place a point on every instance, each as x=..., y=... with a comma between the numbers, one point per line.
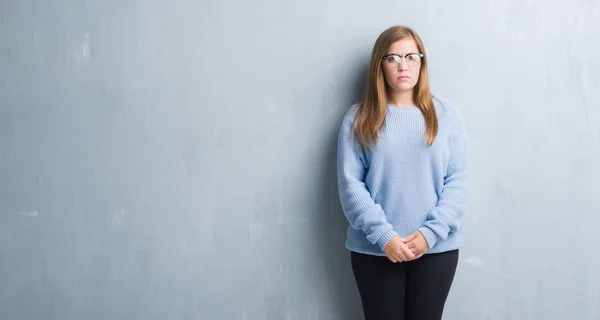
x=417, y=244
x=397, y=251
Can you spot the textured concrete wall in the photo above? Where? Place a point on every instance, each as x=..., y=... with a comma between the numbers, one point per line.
x=176, y=159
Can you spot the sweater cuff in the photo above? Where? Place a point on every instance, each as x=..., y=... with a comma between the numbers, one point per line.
x=385, y=238
x=429, y=235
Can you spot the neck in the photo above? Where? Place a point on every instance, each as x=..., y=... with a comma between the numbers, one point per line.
x=401, y=98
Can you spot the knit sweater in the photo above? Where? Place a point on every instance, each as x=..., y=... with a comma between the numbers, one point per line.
x=402, y=184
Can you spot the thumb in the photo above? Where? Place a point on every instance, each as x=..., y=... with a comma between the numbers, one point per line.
x=410, y=238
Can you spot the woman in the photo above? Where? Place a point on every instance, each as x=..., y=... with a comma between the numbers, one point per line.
x=402, y=178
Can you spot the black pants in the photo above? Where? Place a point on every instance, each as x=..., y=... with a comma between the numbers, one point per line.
x=414, y=290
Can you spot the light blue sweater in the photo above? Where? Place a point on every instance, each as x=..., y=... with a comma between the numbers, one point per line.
x=404, y=185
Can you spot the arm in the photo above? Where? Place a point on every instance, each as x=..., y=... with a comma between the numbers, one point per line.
x=358, y=206
x=447, y=215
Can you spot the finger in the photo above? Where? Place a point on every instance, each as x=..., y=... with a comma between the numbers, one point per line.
x=409, y=238
x=398, y=257
x=417, y=256
x=401, y=257
x=407, y=253
x=391, y=258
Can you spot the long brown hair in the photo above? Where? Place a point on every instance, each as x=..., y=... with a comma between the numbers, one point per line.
x=370, y=116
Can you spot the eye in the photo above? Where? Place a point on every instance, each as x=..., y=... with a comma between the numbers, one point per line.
x=393, y=58
x=414, y=57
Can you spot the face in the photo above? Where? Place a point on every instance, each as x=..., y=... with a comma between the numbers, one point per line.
x=403, y=75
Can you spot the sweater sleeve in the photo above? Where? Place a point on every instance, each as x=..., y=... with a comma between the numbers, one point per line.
x=447, y=215
x=359, y=207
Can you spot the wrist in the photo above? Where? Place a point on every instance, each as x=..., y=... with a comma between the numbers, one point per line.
x=429, y=235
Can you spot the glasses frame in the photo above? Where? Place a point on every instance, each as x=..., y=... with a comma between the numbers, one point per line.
x=399, y=59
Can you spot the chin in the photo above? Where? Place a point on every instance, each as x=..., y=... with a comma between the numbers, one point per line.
x=403, y=87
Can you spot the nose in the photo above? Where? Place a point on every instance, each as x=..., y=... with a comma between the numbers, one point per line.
x=402, y=66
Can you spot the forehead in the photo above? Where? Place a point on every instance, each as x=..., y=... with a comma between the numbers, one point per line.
x=403, y=46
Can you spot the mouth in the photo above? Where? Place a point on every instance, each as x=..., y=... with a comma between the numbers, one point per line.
x=403, y=77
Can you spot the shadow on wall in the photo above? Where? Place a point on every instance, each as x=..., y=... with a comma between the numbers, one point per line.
x=333, y=224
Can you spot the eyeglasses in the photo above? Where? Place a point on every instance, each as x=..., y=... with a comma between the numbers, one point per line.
x=412, y=59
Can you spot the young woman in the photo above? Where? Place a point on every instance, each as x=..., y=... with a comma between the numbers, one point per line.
x=402, y=179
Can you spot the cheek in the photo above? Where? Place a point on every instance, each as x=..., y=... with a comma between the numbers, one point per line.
x=416, y=73
x=387, y=73
x=388, y=77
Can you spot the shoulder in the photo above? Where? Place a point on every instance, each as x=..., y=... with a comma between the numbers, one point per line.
x=447, y=110
x=445, y=107
x=351, y=112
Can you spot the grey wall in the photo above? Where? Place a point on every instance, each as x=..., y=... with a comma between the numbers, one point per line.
x=176, y=159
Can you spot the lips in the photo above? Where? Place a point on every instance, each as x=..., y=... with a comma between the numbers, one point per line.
x=403, y=77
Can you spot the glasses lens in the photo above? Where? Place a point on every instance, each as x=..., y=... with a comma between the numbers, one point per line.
x=392, y=59
x=413, y=59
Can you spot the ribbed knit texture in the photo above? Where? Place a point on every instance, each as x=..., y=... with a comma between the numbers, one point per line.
x=402, y=184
